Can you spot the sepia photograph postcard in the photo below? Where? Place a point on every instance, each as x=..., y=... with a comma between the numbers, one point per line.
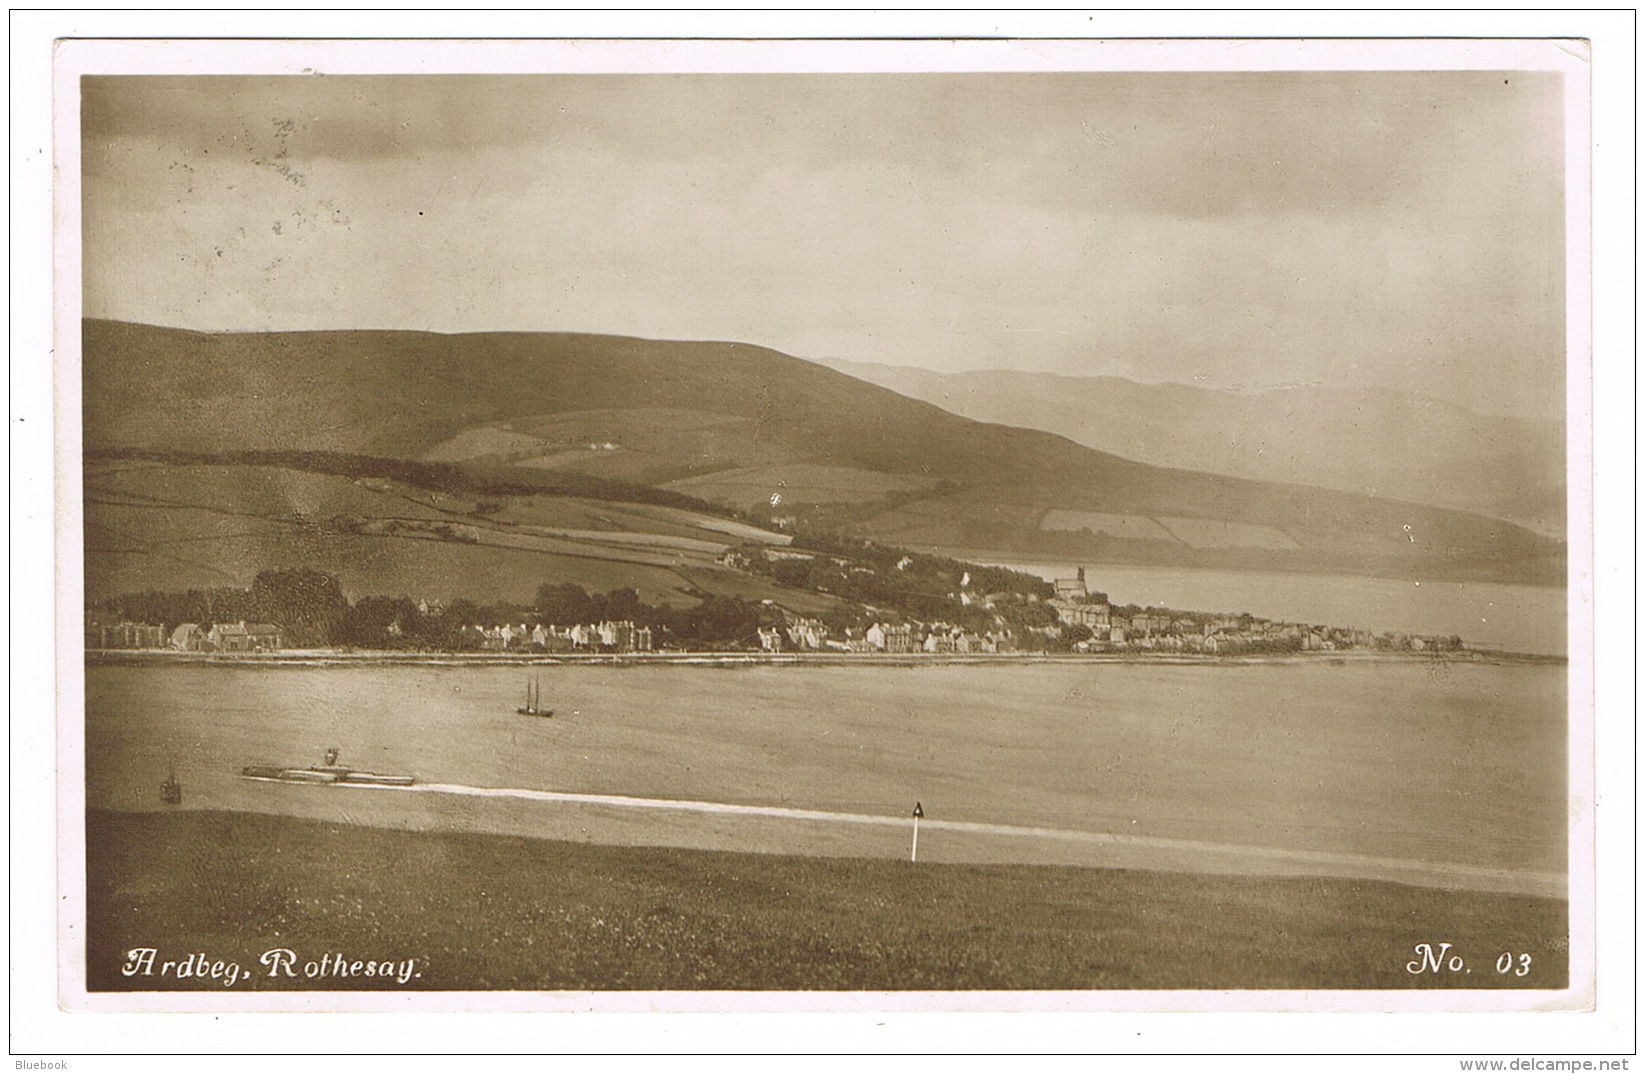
x=719, y=525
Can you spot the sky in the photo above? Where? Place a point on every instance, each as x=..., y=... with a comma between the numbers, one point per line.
x=1233, y=230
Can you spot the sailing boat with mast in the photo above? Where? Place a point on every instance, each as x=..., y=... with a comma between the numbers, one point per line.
x=171, y=792
x=534, y=700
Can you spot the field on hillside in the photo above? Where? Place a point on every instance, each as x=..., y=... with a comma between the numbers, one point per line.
x=160, y=526
x=797, y=482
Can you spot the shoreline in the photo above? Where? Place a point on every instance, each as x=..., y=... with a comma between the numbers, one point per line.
x=391, y=658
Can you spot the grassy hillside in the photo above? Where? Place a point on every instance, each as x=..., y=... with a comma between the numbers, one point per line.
x=752, y=429
x=495, y=912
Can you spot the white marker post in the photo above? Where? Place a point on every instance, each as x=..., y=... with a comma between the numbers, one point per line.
x=914, y=855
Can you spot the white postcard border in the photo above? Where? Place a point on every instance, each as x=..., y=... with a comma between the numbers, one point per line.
x=693, y=55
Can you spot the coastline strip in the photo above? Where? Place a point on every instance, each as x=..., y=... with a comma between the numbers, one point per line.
x=1183, y=852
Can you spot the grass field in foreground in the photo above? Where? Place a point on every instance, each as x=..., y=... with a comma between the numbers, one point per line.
x=493, y=912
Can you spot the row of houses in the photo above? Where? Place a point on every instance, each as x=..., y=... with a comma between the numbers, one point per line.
x=622, y=636
x=802, y=635
x=1163, y=630
x=935, y=638
x=240, y=637
x=1078, y=606
x=1108, y=631
x=1237, y=634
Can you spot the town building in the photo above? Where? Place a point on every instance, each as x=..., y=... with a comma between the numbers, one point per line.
x=1149, y=623
x=1093, y=615
x=1071, y=589
x=125, y=635
x=807, y=633
x=887, y=638
x=243, y=637
x=942, y=641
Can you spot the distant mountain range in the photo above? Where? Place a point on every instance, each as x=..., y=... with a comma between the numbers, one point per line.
x=1374, y=442
x=789, y=444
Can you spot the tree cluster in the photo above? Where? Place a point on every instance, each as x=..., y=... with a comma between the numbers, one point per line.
x=308, y=605
x=313, y=612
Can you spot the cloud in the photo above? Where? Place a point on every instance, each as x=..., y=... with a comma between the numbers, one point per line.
x=1399, y=230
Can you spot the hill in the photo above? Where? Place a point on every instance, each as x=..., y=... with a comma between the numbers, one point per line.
x=779, y=439
x=1377, y=443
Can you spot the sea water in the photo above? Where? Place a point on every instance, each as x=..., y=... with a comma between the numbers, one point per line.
x=1451, y=762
